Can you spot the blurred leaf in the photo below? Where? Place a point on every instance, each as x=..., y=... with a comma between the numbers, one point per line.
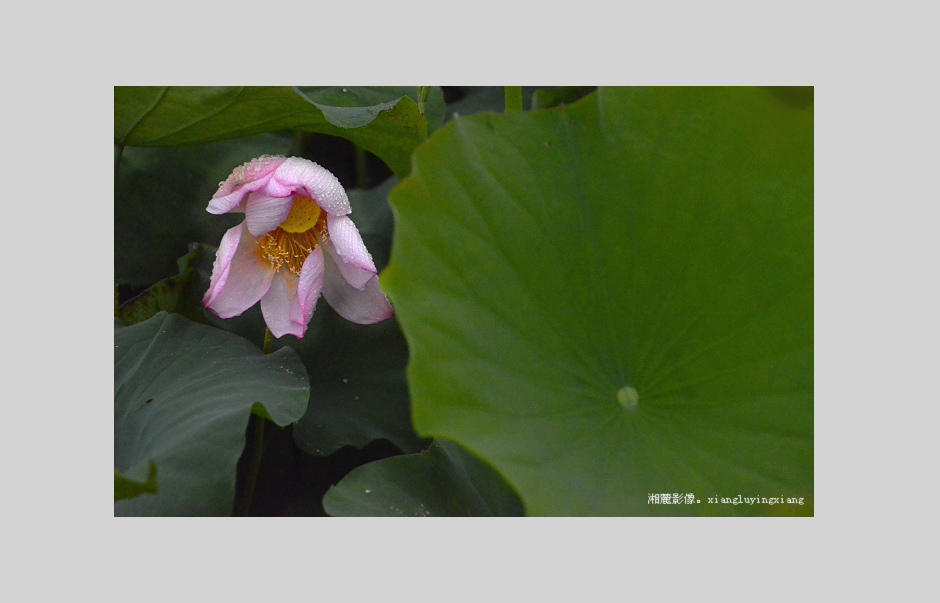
x=483, y=99
x=177, y=294
x=359, y=392
x=183, y=393
x=799, y=97
x=621, y=303
x=373, y=217
x=161, y=197
x=181, y=115
x=564, y=95
x=444, y=481
x=129, y=487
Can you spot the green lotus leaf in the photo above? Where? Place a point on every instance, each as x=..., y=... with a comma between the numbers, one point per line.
x=131, y=486
x=183, y=393
x=444, y=480
x=613, y=300
x=186, y=115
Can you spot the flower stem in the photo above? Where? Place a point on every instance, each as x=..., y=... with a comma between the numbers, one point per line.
x=513, y=99
x=299, y=138
x=423, y=98
x=118, y=153
x=268, y=340
x=255, y=448
x=362, y=168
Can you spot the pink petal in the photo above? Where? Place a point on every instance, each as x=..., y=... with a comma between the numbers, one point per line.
x=289, y=303
x=263, y=213
x=222, y=263
x=364, y=306
x=239, y=276
x=298, y=175
x=354, y=260
x=278, y=303
x=310, y=283
x=244, y=179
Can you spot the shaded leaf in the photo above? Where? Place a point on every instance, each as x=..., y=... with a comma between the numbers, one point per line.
x=176, y=294
x=800, y=97
x=183, y=393
x=181, y=115
x=444, y=481
x=359, y=392
x=563, y=95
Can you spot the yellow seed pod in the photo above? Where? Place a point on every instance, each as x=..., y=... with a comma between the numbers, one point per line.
x=303, y=215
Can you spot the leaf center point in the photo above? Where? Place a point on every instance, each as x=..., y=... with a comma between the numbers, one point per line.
x=628, y=397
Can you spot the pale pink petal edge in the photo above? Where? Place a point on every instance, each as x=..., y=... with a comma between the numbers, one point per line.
x=263, y=213
x=302, y=176
x=354, y=260
x=246, y=178
x=364, y=306
x=239, y=276
x=289, y=304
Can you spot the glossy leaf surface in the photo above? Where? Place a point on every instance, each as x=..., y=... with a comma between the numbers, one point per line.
x=443, y=481
x=182, y=115
x=183, y=393
x=614, y=299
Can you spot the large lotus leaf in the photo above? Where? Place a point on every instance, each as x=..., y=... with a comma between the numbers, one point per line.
x=614, y=299
x=183, y=393
x=444, y=480
x=185, y=115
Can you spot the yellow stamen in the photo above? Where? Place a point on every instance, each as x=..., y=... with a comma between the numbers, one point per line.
x=290, y=244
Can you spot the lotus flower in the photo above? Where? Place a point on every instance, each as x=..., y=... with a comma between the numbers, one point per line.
x=296, y=242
